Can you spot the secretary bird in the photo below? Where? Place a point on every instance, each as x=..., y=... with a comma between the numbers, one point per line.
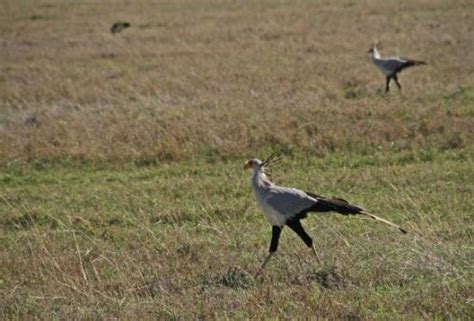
x=285, y=206
x=391, y=66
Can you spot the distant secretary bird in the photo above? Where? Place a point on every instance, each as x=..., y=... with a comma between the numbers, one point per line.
x=285, y=206
x=391, y=66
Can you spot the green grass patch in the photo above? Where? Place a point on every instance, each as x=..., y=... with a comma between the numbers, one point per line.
x=184, y=239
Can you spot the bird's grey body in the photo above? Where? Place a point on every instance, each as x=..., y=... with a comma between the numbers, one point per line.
x=279, y=204
x=388, y=66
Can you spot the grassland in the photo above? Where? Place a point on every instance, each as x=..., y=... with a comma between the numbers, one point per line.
x=122, y=193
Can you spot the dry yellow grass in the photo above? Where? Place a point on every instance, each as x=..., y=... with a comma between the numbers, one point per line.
x=227, y=77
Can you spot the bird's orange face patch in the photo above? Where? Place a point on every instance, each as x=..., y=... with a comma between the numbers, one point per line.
x=248, y=164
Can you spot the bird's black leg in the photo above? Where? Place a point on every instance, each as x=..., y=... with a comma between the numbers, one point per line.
x=395, y=77
x=387, y=84
x=296, y=226
x=276, y=231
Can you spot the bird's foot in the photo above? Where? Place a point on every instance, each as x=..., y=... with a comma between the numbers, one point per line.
x=260, y=271
x=318, y=258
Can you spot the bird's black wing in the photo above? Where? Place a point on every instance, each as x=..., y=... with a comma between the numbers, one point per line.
x=325, y=204
x=409, y=63
x=343, y=207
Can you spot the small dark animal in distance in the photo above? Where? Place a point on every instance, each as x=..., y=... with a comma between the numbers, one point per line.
x=119, y=26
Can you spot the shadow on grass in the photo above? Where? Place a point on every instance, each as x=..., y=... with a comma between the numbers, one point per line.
x=327, y=277
x=235, y=278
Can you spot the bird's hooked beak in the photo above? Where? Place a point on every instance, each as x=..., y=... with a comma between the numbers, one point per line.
x=248, y=164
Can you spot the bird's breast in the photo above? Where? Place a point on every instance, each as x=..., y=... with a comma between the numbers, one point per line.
x=382, y=65
x=272, y=215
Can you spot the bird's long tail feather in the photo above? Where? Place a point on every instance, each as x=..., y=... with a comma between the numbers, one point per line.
x=343, y=207
x=417, y=62
x=375, y=217
x=412, y=63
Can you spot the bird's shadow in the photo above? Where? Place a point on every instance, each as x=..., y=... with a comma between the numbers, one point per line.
x=328, y=277
x=235, y=277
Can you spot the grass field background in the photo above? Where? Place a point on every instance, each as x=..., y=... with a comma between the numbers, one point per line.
x=122, y=193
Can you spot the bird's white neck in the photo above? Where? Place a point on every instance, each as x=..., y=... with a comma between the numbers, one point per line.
x=259, y=179
x=375, y=54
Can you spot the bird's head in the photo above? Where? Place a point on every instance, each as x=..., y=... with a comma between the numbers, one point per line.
x=253, y=164
x=258, y=164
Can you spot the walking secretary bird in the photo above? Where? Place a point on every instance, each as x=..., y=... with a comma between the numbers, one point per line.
x=391, y=66
x=283, y=206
